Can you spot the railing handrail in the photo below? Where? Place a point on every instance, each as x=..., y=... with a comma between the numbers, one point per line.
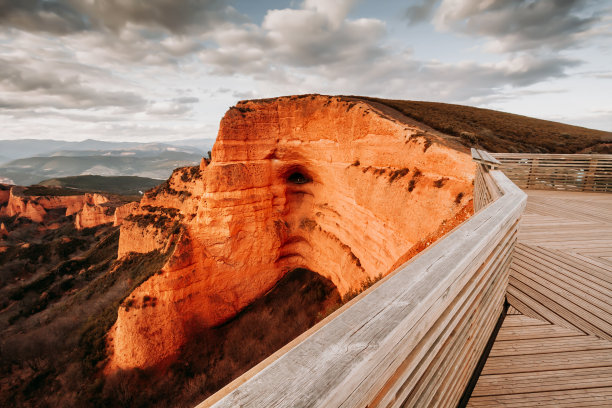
x=555, y=155
x=386, y=339
x=484, y=157
x=578, y=172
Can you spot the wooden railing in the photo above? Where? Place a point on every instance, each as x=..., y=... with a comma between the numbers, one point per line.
x=577, y=172
x=485, y=188
x=414, y=338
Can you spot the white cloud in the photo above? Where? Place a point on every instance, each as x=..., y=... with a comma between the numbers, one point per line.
x=176, y=64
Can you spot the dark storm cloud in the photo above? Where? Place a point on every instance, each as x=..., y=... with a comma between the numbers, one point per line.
x=421, y=12
x=69, y=16
x=38, y=15
x=23, y=87
x=520, y=24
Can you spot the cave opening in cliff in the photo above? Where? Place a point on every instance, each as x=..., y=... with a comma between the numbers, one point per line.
x=298, y=178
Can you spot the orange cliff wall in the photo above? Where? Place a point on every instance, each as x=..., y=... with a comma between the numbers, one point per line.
x=380, y=190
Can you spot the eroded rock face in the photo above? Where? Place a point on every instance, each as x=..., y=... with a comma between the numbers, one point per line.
x=329, y=184
x=90, y=210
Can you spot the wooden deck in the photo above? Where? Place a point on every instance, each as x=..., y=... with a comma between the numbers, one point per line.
x=555, y=345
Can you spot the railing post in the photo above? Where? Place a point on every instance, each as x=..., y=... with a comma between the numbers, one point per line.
x=532, y=170
x=589, y=180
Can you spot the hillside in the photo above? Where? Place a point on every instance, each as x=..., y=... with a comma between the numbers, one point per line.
x=123, y=185
x=35, y=169
x=502, y=132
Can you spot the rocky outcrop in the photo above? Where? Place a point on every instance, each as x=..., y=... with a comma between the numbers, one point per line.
x=90, y=210
x=123, y=211
x=5, y=193
x=342, y=187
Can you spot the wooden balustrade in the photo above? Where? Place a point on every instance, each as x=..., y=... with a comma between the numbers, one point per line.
x=572, y=172
x=414, y=338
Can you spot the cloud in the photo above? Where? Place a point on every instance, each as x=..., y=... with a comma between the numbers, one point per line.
x=26, y=84
x=120, y=68
x=317, y=34
x=58, y=17
x=69, y=16
x=174, y=107
x=317, y=47
x=520, y=24
x=419, y=13
x=187, y=99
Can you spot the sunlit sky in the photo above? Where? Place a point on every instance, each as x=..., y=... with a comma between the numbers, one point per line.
x=162, y=70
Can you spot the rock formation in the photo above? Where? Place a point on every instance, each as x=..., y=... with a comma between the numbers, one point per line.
x=345, y=188
x=5, y=193
x=90, y=210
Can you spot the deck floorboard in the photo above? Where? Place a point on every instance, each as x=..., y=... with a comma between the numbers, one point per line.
x=554, y=348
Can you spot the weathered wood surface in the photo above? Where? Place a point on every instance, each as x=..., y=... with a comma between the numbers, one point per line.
x=535, y=363
x=561, y=276
x=485, y=188
x=414, y=340
x=484, y=157
x=572, y=172
x=562, y=267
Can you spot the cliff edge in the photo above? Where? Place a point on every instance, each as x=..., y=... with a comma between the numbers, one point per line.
x=346, y=188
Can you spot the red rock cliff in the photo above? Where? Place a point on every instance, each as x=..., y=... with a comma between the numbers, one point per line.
x=89, y=210
x=331, y=184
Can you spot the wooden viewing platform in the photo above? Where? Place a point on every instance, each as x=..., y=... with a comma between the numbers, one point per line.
x=492, y=314
x=554, y=348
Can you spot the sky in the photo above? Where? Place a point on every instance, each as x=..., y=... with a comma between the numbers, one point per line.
x=164, y=70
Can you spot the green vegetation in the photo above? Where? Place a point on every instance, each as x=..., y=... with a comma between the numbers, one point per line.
x=395, y=174
x=497, y=131
x=123, y=185
x=54, y=321
x=55, y=318
x=364, y=285
x=133, y=270
x=440, y=182
x=58, y=364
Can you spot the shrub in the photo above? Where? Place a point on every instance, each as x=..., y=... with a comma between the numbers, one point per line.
x=458, y=198
x=440, y=182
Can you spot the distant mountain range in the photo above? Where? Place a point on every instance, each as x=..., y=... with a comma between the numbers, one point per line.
x=30, y=161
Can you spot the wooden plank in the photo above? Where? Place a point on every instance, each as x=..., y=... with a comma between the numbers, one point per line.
x=552, y=380
x=566, y=283
x=547, y=361
x=537, y=304
x=579, y=342
x=534, y=332
x=576, y=315
x=512, y=311
x=590, y=275
x=589, y=397
x=522, y=307
x=522, y=320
